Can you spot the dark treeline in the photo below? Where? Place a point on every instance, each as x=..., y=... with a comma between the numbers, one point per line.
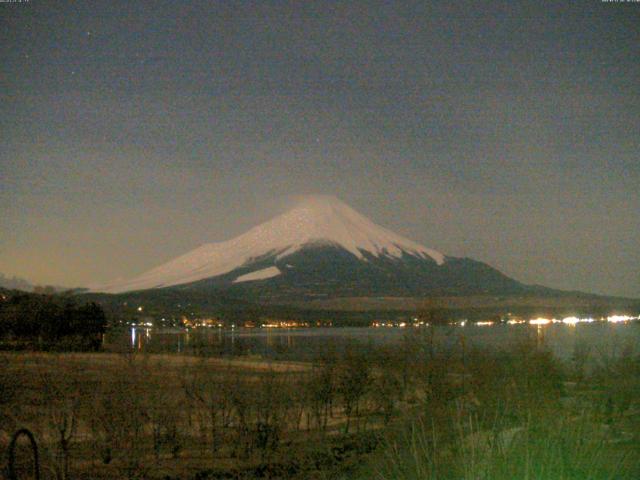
x=176, y=303
x=50, y=322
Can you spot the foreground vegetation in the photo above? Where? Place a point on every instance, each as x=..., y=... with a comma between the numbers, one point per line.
x=412, y=411
x=523, y=416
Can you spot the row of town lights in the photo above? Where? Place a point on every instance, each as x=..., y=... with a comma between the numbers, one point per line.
x=565, y=320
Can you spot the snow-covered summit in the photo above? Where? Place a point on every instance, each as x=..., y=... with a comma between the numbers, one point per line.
x=325, y=218
x=314, y=220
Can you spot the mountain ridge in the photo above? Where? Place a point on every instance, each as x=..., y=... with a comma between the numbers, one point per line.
x=322, y=248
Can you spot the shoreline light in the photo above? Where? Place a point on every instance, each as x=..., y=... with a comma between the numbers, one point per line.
x=570, y=320
x=539, y=321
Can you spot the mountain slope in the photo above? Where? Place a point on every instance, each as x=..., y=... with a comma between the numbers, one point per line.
x=329, y=271
x=321, y=247
x=318, y=220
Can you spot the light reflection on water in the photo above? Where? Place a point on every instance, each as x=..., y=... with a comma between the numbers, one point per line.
x=604, y=339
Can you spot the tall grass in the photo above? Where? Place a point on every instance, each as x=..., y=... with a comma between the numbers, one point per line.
x=516, y=419
x=553, y=448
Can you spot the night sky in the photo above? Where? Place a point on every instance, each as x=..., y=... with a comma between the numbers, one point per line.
x=508, y=132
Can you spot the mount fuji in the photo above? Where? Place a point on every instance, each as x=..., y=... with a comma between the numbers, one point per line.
x=321, y=247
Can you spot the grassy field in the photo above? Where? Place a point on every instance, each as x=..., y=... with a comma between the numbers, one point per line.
x=161, y=416
x=403, y=412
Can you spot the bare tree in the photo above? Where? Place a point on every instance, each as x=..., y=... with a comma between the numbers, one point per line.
x=119, y=414
x=321, y=388
x=273, y=411
x=61, y=395
x=353, y=381
x=212, y=395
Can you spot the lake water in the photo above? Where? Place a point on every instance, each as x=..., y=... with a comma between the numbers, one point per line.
x=601, y=339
